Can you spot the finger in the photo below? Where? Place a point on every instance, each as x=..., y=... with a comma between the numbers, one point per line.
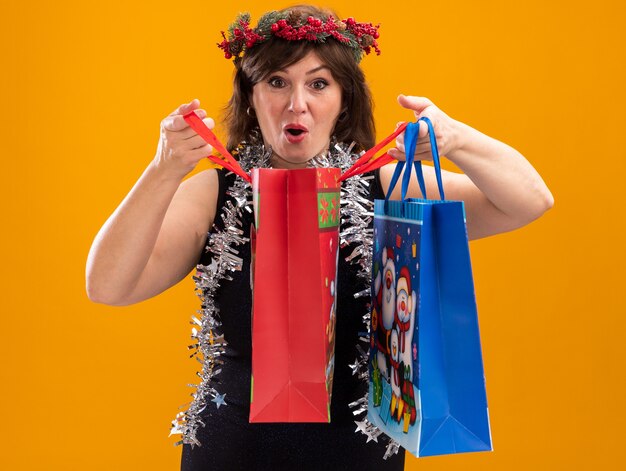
x=200, y=113
x=209, y=122
x=177, y=123
x=194, y=142
x=423, y=129
x=397, y=154
x=185, y=134
x=400, y=155
x=400, y=139
x=186, y=107
x=423, y=152
x=423, y=141
x=415, y=103
x=201, y=152
x=174, y=123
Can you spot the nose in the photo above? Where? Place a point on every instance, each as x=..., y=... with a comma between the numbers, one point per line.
x=297, y=103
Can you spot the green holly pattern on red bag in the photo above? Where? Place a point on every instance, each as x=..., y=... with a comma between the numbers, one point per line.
x=328, y=209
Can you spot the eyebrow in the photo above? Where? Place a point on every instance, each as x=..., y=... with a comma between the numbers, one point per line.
x=312, y=71
x=317, y=69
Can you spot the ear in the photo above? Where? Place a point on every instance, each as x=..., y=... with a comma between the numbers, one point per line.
x=249, y=101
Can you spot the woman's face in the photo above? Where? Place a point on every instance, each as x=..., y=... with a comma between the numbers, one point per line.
x=297, y=108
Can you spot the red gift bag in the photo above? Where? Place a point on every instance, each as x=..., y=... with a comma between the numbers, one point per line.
x=294, y=274
x=294, y=279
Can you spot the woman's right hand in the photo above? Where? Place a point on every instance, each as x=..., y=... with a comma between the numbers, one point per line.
x=180, y=147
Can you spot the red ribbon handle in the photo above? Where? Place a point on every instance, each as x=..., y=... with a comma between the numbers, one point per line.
x=368, y=162
x=228, y=161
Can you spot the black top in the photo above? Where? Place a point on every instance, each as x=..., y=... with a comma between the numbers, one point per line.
x=229, y=441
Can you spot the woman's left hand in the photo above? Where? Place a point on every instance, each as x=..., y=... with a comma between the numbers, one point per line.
x=500, y=188
x=445, y=129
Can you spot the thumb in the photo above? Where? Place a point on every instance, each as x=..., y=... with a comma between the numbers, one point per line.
x=415, y=103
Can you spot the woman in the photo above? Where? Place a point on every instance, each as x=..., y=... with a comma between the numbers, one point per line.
x=298, y=94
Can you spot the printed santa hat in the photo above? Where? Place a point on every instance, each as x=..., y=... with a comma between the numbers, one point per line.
x=387, y=255
x=406, y=275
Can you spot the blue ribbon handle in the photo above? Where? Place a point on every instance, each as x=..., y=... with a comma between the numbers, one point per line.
x=410, y=142
x=434, y=150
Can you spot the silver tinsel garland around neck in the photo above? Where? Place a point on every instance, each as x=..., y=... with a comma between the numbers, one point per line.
x=208, y=340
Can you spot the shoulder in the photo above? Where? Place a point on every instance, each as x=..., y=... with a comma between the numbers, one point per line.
x=201, y=188
x=201, y=181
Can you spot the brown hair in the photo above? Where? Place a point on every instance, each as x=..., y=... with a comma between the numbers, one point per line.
x=356, y=119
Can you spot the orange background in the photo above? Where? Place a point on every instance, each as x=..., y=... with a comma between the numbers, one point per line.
x=84, y=88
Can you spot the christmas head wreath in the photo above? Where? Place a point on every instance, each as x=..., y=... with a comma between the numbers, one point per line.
x=296, y=26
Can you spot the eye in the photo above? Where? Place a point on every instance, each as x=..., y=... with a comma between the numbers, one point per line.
x=276, y=82
x=319, y=84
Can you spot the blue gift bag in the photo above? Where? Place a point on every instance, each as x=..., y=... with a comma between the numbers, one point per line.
x=427, y=384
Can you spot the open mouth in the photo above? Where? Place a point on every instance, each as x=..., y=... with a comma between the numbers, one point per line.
x=295, y=133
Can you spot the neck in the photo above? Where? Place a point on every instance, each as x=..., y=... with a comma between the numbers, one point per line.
x=277, y=161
